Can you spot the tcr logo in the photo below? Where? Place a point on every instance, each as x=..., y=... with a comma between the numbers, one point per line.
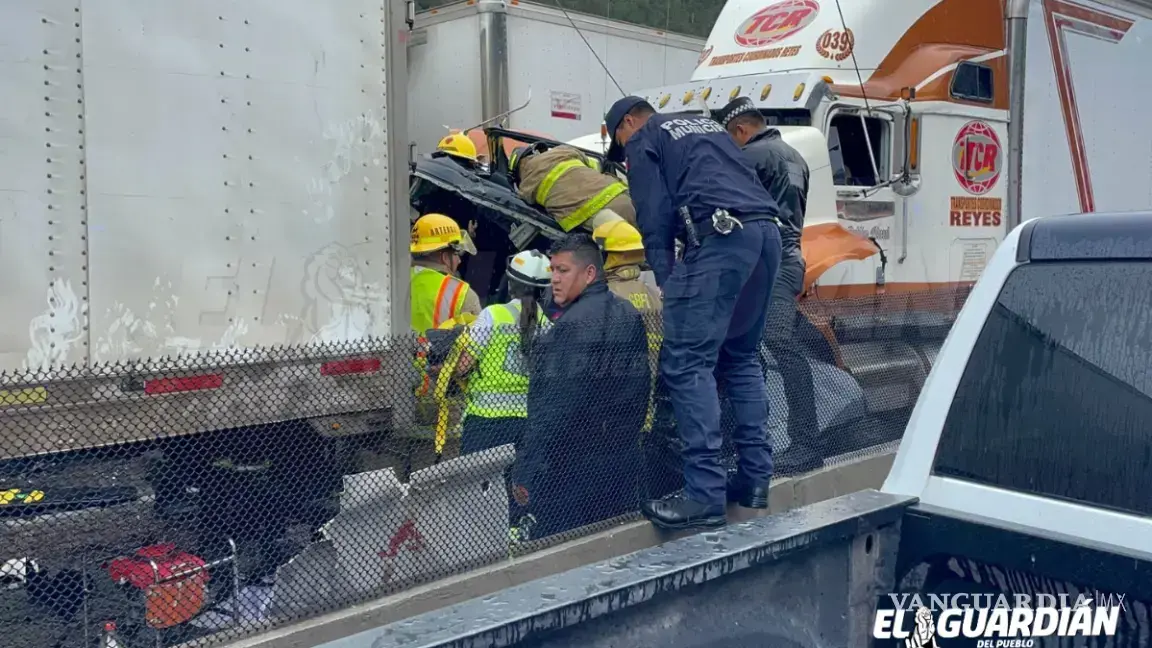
x=776, y=22
x=976, y=157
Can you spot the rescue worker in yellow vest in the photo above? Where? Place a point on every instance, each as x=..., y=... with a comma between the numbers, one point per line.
x=624, y=253
x=570, y=187
x=437, y=293
x=448, y=347
x=496, y=351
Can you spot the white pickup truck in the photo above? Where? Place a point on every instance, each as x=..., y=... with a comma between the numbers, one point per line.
x=1024, y=472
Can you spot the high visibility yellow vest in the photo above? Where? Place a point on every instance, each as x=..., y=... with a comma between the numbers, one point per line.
x=590, y=206
x=499, y=388
x=436, y=298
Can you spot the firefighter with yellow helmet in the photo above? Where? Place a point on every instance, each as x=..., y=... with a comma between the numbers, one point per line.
x=624, y=254
x=460, y=147
x=569, y=185
x=437, y=293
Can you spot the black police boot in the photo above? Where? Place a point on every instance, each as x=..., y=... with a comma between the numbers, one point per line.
x=747, y=495
x=679, y=512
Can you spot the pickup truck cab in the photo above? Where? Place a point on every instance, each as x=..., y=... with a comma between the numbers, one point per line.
x=1025, y=470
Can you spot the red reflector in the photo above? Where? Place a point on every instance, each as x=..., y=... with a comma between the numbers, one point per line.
x=354, y=366
x=183, y=384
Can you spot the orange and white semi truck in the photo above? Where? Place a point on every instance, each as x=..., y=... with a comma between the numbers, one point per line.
x=933, y=126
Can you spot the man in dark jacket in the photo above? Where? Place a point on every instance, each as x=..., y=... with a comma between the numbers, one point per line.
x=784, y=173
x=589, y=377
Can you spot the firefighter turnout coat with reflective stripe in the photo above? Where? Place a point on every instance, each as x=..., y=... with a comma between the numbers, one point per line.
x=625, y=283
x=437, y=297
x=499, y=386
x=568, y=185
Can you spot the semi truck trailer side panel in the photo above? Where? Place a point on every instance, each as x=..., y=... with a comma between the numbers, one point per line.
x=185, y=177
x=43, y=228
x=444, y=70
x=241, y=196
x=1087, y=137
x=570, y=88
x=473, y=61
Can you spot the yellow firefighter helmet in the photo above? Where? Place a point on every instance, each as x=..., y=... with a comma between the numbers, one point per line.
x=618, y=236
x=433, y=232
x=458, y=145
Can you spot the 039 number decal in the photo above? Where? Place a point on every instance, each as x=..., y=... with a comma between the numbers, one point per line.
x=836, y=44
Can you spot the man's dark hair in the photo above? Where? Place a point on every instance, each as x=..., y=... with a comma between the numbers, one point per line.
x=583, y=249
x=752, y=119
x=641, y=109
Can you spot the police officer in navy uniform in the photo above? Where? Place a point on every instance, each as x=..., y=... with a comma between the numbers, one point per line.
x=784, y=173
x=689, y=180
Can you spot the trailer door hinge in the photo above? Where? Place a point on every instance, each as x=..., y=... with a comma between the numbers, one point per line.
x=410, y=13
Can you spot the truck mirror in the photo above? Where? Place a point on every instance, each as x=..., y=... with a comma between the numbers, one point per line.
x=908, y=182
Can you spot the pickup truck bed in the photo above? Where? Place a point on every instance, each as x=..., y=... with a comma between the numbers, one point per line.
x=808, y=578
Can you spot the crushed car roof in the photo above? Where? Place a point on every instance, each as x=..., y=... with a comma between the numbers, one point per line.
x=493, y=199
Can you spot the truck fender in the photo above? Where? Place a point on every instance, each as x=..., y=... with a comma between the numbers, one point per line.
x=827, y=244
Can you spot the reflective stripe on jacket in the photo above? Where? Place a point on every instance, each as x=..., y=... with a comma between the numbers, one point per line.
x=499, y=388
x=436, y=298
x=584, y=191
x=625, y=283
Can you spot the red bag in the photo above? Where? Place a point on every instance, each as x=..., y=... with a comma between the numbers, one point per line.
x=182, y=588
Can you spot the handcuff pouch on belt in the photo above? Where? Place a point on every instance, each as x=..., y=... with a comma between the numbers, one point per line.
x=723, y=223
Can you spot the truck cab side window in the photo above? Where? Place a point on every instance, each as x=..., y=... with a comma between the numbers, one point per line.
x=849, y=151
x=972, y=82
x=1056, y=399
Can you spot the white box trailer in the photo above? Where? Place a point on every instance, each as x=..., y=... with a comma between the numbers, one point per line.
x=179, y=177
x=472, y=61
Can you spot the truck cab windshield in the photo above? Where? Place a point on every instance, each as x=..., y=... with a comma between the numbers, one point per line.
x=1058, y=391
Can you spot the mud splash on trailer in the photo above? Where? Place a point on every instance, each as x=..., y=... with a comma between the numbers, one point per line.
x=131, y=334
x=359, y=140
x=53, y=333
x=339, y=304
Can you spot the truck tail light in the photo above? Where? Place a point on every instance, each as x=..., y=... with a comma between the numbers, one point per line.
x=351, y=366
x=183, y=384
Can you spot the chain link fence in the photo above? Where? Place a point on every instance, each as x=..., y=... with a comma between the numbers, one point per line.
x=197, y=500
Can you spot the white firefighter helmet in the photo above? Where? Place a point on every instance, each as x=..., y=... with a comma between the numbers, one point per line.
x=531, y=268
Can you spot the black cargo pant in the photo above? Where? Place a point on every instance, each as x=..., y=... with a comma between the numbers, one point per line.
x=481, y=433
x=804, y=453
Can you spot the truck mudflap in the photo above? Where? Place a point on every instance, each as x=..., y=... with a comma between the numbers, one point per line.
x=808, y=577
